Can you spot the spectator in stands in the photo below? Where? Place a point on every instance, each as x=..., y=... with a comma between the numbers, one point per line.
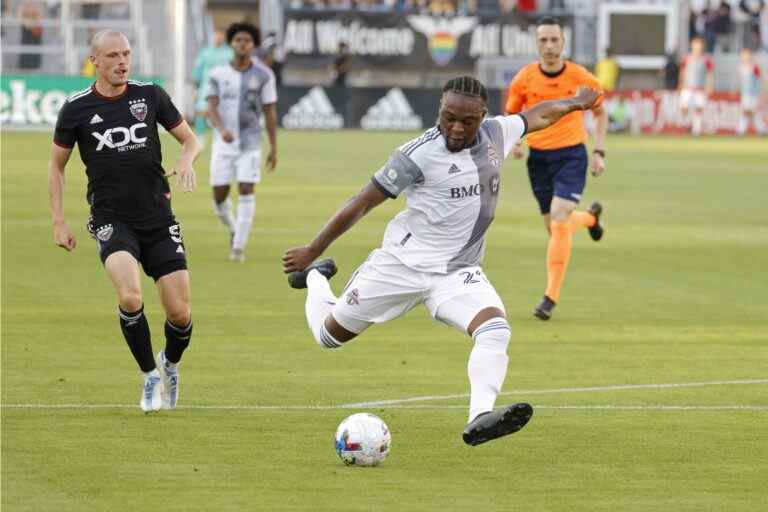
x=526, y=6
x=717, y=28
x=556, y=5
x=442, y=7
x=607, y=71
x=30, y=14
x=341, y=66
x=752, y=9
x=671, y=71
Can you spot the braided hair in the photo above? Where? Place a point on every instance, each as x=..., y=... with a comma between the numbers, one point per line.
x=467, y=86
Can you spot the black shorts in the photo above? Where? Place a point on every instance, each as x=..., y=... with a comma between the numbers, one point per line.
x=557, y=172
x=159, y=248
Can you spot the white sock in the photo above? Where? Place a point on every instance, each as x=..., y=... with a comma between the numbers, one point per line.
x=320, y=301
x=487, y=365
x=696, y=123
x=246, y=209
x=223, y=211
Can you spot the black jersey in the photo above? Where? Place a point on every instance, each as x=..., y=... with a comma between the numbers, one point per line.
x=120, y=147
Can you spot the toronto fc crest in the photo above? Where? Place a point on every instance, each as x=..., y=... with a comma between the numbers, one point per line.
x=138, y=108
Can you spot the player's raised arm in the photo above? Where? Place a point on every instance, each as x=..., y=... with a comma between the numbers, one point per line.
x=547, y=113
x=298, y=258
x=62, y=235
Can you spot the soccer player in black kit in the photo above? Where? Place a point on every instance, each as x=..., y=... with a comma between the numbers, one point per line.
x=114, y=123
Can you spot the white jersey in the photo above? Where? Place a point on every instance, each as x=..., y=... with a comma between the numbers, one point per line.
x=242, y=96
x=450, y=197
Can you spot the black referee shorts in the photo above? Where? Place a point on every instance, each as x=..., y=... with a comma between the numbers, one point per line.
x=159, y=248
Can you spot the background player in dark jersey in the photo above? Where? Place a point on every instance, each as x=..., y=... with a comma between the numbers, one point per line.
x=114, y=123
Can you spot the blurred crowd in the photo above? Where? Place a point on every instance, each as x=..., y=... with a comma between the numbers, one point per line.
x=440, y=7
x=727, y=25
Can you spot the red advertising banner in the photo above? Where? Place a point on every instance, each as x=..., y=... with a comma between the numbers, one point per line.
x=651, y=111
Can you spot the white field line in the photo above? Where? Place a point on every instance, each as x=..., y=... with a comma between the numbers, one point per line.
x=620, y=387
x=408, y=403
x=605, y=407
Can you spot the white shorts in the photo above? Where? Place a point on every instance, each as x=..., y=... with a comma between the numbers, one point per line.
x=749, y=102
x=244, y=167
x=383, y=288
x=693, y=98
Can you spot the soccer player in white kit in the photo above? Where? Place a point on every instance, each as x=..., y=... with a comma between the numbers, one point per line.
x=749, y=89
x=696, y=83
x=432, y=250
x=238, y=93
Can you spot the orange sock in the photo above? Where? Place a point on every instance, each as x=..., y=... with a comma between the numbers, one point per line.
x=558, y=254
x=579, y=219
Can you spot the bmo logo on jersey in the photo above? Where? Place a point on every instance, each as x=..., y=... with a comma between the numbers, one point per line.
x=121, y=138
x=477, y=189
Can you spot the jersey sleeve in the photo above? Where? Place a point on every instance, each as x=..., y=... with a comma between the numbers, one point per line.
x=213, y=85
x=65, y=134
x=592, y=82
x=398, y=173
x=515, y=94
x=269, y=91
x=513, y=128
x=167, y=113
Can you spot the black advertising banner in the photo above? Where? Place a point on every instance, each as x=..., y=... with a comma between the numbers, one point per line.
x=409, y=41
x=334, y=108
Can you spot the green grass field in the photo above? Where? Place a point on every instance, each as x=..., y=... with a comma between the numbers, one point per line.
x=674, y=294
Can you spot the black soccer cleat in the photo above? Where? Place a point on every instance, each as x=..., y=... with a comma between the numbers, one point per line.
x=492, y=425
x=544, y=309
x=326, y=267
x=596, y=231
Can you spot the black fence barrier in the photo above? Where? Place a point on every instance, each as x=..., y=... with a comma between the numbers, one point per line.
x=385, y=109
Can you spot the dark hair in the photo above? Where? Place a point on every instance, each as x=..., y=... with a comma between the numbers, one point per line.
x=548, y=20
x=246, y=27
x=467, y=86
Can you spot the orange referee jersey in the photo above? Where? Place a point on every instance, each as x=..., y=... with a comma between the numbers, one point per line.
x=531, y=86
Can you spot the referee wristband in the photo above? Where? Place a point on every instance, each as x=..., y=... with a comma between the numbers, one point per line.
x=600, y=152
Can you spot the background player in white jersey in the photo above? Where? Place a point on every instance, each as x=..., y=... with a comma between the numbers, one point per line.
x=749, y=86
x=696, y=83
x=238, y=93
x=432, y=251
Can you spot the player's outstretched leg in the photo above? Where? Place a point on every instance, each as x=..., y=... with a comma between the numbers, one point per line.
x=320, y=298
x=487, y=369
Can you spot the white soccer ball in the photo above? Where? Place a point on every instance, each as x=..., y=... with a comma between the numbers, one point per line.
x=362, y=440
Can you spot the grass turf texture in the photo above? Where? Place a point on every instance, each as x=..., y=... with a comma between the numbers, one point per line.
x=673, y=294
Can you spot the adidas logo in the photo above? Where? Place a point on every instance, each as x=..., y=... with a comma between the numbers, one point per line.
x=454, y=169
x=96, y=119
x=313, y=112
x=392, y=112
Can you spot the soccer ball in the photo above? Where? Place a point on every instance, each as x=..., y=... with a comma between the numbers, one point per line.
x=363, y=440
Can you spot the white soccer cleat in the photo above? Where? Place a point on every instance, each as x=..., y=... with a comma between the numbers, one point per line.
x=170, y=375
x=237, y=255
x=151, y=400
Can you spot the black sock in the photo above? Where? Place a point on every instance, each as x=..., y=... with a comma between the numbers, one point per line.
x=136, y=331
x=176, y=340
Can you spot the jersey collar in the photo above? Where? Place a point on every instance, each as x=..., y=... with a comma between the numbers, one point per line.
x=556, y=73
x=109, y=98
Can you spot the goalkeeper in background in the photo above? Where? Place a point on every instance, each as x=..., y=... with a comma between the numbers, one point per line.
x=215, y=54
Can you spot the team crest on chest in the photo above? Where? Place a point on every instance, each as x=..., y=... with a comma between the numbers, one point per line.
x=493, y=158
x=138, y=108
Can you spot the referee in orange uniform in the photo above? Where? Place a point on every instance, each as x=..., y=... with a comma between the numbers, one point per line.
x=557, y=163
